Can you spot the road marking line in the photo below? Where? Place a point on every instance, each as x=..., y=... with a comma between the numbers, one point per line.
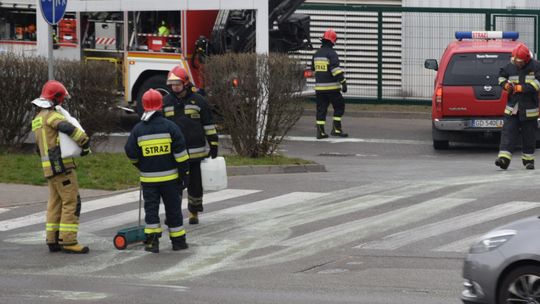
x=385, y=221
x=462, y=245
x=410, y=236
x=359, y=140
x=130, y=216
x=214, y=253
x=342, y=234
x=88, y=206
x=319, y=208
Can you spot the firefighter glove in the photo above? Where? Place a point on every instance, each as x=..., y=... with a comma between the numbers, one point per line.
x=85, y=148
x=508, y=87
x=213, y=151
x=344, y=86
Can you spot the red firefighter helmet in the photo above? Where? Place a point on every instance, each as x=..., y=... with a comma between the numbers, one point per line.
x=152, y=101
x=521, y=53
x=178, y=75
x=330, y=35
x=54, y=91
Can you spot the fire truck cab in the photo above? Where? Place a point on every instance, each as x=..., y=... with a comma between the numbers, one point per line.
x=146, y=39
x=468, y=103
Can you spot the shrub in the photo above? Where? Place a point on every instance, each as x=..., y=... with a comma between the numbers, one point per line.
x=279, y=81
x=91, y=86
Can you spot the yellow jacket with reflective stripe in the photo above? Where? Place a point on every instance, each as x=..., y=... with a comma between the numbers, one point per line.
x=45, y=128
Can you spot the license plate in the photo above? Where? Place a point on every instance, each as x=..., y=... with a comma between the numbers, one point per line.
x=487, y=123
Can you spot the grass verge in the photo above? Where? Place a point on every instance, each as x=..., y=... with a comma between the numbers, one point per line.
x=105, y=171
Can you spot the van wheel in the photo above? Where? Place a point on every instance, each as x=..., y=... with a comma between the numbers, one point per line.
x=157, y=82
x=440, y=144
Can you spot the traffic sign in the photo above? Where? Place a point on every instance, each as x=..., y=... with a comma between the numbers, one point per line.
x=53, y=10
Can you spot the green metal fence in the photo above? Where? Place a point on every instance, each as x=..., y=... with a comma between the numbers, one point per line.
x=383, y=48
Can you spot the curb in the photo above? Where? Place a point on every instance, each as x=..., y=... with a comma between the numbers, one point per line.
x=274, y=169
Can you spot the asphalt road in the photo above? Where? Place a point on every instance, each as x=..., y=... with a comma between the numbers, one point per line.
x=389, y=222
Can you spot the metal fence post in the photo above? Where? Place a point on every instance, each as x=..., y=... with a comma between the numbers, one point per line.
x=379, y=54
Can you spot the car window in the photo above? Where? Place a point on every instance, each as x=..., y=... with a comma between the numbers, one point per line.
x=475, y=68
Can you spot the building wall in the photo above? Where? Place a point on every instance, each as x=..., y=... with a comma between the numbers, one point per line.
x=408, y=40
x=426, y=35
x=524, y=4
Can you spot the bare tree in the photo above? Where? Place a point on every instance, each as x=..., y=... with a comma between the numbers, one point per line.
x=279, y=82
x=92, y=86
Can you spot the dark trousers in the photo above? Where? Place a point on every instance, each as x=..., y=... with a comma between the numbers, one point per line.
x=512, y=128
x=172, y=199
x=195, y=181
x=325, y=98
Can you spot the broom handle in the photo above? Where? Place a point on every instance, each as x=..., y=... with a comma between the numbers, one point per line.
x=140, y=199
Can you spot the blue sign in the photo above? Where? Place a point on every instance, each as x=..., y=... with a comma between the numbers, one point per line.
x=53, y=10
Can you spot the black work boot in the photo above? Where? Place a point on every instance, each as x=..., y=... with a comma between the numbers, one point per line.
x=529, y=164
x=54, y=247
x=179, y=243
x=152, y=242
x=320, y=132
x=336, y=129
x=195, y=205
x=502, y=162
x=193, y=218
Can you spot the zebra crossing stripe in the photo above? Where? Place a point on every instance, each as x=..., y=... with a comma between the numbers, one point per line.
x=410, y=236
x=342, y=234
x=88, y=206
x=462, y=245
x=217, y=251
x=130, y=216
x=378, y=223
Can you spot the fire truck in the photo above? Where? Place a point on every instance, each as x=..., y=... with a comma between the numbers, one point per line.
x=145, y=40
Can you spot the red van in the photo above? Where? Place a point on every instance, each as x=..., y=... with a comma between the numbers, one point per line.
x=468, y=103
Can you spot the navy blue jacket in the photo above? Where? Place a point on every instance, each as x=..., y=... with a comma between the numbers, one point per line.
x=529, y=78
x=157, y=148
x=193, y=115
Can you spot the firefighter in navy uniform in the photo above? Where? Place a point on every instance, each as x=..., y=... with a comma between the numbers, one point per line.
x=192, y=113
x=64, y=204
x=329, y=83
x=521, y=79
x=157, y=148
x=198, y=61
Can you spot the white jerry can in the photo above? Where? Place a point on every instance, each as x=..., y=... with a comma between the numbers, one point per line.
x=68, y=146
x=214, y=173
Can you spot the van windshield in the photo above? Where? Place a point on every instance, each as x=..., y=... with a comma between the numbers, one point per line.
x=472, y=69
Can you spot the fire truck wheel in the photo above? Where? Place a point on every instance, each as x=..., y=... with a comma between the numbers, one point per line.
x=157, y=82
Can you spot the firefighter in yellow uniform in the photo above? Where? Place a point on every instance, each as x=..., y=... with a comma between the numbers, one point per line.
x=64, y=204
